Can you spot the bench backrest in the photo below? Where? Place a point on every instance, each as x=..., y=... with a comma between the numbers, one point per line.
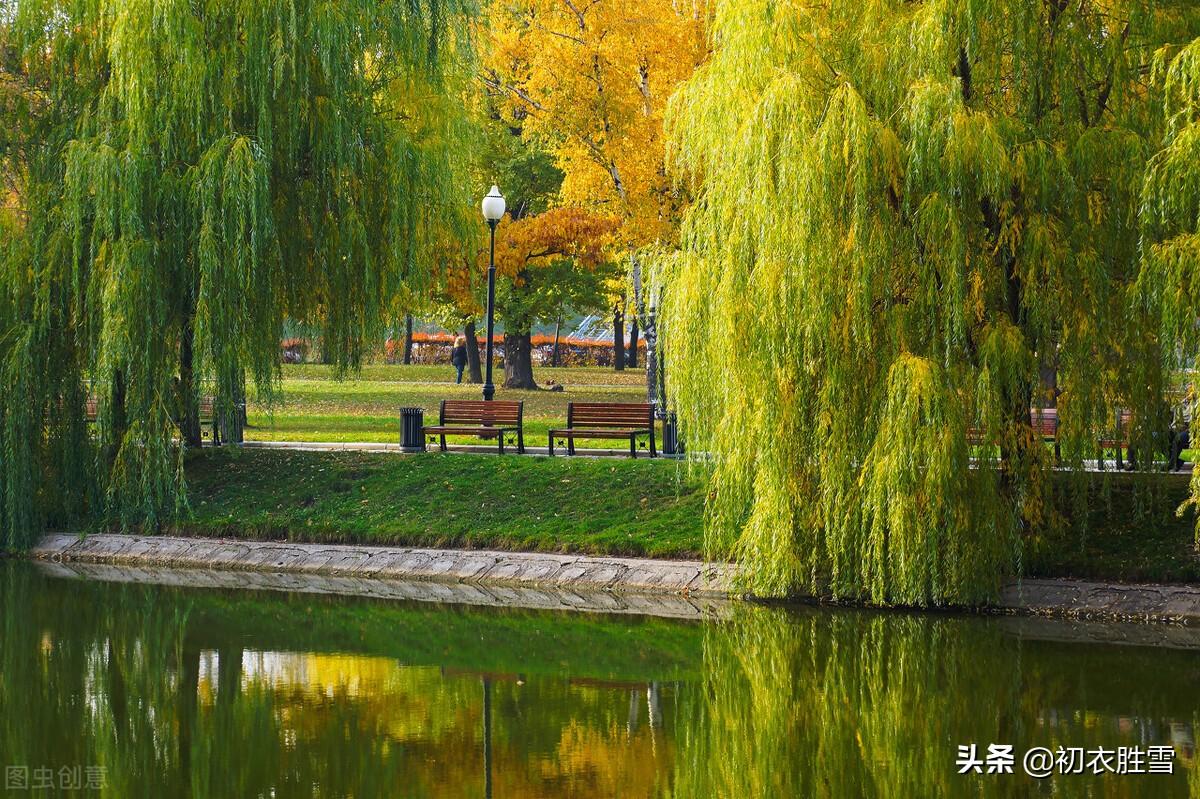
x=481, y=412
x=638, y=415
x=91, y=409
x=1045, y=421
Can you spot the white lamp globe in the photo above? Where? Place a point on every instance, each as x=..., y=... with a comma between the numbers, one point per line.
x=493, y=205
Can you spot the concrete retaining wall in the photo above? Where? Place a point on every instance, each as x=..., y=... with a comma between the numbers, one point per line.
x=567, y=572
x=560, y=579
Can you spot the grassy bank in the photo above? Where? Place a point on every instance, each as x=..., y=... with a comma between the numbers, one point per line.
x=1127, y=532
x=480, y=501
x=1130, y=532
x=315, y=406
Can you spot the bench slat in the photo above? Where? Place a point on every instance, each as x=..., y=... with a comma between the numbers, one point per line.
x=607, y=432
x=482, y=432
x=610, y=414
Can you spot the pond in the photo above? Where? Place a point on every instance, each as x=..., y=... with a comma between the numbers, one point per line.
x=134, y=690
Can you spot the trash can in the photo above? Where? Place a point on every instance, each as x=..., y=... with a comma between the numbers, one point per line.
x=411, y=422
x=671, y=443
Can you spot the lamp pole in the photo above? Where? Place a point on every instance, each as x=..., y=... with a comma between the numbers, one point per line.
x=489, y=390
x=493, y=210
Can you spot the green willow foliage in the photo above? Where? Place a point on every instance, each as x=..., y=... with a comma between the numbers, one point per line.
x=906, y=212
x=180, y=178
x=1169, y=285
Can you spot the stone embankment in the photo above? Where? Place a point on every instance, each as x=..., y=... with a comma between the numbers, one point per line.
x=544, y=579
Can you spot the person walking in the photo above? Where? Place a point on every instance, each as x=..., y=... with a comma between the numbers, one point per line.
x=458, y=356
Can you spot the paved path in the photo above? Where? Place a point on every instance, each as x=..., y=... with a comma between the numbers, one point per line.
x=381, y=446
x=486, y=449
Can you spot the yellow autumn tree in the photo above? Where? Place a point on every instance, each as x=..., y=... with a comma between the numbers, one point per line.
x=545, y=262
x=591, y=82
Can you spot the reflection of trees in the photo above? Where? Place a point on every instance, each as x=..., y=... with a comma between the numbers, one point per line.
x=855, y=705
x=125, y=677
x=810, y=703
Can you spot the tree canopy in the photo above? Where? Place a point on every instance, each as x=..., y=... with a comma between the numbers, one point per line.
x=591, y=81
x=181, y=176
x=909, y=212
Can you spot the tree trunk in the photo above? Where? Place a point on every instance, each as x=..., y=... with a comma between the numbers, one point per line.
x=473, y=365
x=618, y=338
x=229, y=675
x=326, y=350
x=518, y=361
x=231, y=421
x=633, y=343
x=407, y=339
x=554, y=354
x=189, y=412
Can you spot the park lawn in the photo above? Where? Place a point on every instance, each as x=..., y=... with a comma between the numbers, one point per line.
x=1133, y=534
x=607, y=506
x=315, y=406
x=618, y=507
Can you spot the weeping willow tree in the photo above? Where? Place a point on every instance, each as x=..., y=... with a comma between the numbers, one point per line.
x=909, y=212
x=180, y=178
x=1169, y=284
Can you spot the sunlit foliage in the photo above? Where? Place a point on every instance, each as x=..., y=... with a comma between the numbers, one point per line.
x=591, y=80
x=908, y=212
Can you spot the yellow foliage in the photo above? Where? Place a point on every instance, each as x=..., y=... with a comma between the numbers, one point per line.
x=592, y=81
x=566, y=232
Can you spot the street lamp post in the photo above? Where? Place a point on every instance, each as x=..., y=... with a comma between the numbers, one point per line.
x=493, y=210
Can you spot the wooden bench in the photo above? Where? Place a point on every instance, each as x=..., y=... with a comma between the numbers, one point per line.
x=1044, y=422
x=207, y=413
x=1118, y=439
x=606, y=420
x=1045, y=426
x=482, y=418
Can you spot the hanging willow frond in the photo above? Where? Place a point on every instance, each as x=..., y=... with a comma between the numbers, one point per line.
x=181, y=177
x=906, y=213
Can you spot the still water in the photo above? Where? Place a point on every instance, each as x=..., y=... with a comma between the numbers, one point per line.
x=123, y=690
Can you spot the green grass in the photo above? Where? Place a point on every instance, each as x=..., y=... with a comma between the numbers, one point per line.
x=1132, y=533
x=444, y=373
x=1128, y=531
x=475, y=501
x=365, y=407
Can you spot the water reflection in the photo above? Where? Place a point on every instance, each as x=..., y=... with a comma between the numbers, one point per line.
x=212, y=694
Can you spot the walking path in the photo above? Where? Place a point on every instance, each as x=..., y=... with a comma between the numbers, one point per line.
x=553, y=580
x=486, y=449
x=382, y=446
